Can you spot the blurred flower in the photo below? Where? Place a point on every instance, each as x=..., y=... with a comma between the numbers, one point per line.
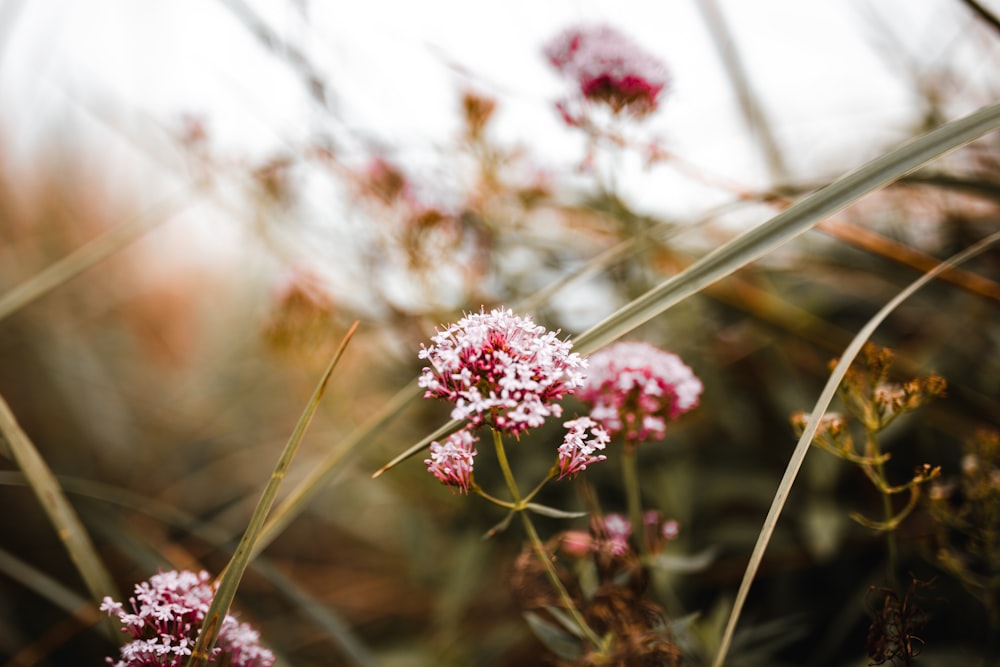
x=165, y=619
x=577, y=451
x=634, y=389
x=477, y=111
x=384, y=180
x=608, y=68
x=576, y=543
x=617, y=530
x=500, y=369
x=452, y=461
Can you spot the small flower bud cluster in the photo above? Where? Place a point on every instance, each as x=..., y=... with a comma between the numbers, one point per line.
x=451, y=461
x=578, y=451
x=165, y=617
x=876, y=401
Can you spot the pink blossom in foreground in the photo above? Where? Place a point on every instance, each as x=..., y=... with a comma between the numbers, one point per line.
x=501, y=370
x=451, y=462
x=164, y=618
x=634, y=389
x=578, y=451
x=609, y=68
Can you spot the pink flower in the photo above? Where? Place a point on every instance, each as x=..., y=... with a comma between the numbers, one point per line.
x=165, y=619
x=635, y=389
x=609, y=68
x=578, y=451
x=500, y=369
x=452, y=461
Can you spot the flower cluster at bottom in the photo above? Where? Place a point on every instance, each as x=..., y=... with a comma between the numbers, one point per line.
x=165, y=617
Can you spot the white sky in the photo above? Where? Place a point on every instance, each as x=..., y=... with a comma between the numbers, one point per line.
x=389, y=63
x=835, y=76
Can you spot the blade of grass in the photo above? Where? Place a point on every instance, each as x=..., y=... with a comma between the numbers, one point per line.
x=799, y=217
x=62, y=515
x=802, y=447
x=233, y=573
x=78, y=261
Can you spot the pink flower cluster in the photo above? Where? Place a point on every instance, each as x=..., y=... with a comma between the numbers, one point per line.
x=578, y=451
x=165, y=617
x=609, y=68
x=634, y=389
x=451, y=462
x=506, y=372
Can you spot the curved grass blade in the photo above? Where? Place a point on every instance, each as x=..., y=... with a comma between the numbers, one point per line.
x=233, y=574
x=64, y=518
x=802, y=447
x=757, y=242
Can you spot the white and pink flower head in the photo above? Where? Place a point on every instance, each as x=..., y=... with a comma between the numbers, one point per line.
x=609, y=68
x=634, y=389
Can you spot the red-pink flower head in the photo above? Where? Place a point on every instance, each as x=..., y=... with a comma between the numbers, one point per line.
x=166, y=617
x=578, y=450
x=451, y=462
x=609, y=68
x=634, y=389
x=501, y=370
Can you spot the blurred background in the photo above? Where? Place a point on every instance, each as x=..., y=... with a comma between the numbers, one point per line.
x=282, y=168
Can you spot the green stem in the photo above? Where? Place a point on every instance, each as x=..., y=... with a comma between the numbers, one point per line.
x=874, y=451
x=633, y=498
x=508, y=476
x=478, y=490
x=539, y=548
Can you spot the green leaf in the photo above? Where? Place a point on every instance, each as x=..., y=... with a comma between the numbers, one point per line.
x=544, y=510
x=556, y=639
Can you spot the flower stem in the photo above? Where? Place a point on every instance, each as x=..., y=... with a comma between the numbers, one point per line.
x=633, y=498
x=873, y=450
x=539, y=548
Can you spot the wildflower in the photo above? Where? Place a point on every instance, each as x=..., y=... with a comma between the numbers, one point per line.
x=165, y=618
x=609, y=68
x=500, y=369
x=577, y=451
x=635, y=388
x=452, y=461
